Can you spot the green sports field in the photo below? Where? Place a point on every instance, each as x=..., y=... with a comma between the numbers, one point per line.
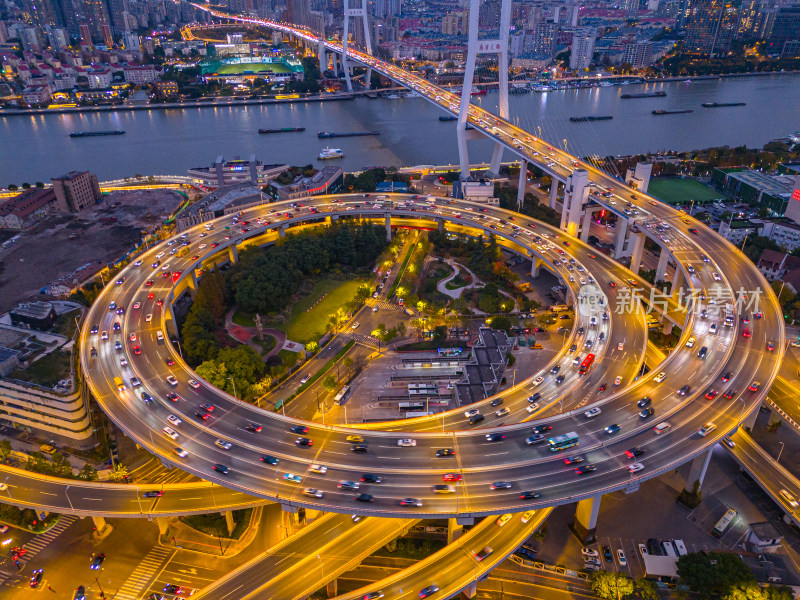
x=682, y=191
x=238, y=69
x=307, y=326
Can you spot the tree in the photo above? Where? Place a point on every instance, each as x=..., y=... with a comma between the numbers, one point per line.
x=501, y=324
x=88, y=473
x=234, y=369
x=5, y=450
x=440, y=333
x=646, y=589
x=329, y=383
x=713, y=574
x=401, y=329
x=611, y=586
x=120, y=473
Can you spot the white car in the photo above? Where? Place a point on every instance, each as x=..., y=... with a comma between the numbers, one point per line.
x=355, y=325
x=621, y=346
x=706, y=429
x=634, y=467
x=123, y=362
x=472, y=413
x=313, y=492
x=174, y=420
x=660, y=377
x=171, y=433
x=690, y=342
x=533, y=407
x=405, y=442
x=618, y=380
x=587, y=551
x=526, y=516
x=538, y=380
x=374, y=309
x=621, y=558
x=180, y=452
x=643, y=549
x=148, y=318
x=224, y=444
x=592, y=412
x=316, y=468
x=502, y=412
x=172, y=381
x=194, y=383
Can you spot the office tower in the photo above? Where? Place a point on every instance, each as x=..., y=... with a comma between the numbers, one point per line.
x=544, y=38
x=638, y=54
x=784, y=38
x=582, y=48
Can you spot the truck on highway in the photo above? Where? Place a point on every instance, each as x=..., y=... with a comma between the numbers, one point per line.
x=558, y=308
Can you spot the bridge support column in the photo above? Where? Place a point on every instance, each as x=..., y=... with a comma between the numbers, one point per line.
x=332, y=588
x=667, y=329
x=677, y=281
x=163, y=525
x=698, y=470
x=750, y=420
x=620, y=238
x=229, y=522
x=454, y=530
x=440, y=224
x=587, y=222
x=523, y=183
x=636, y=254
x=536, y=264
x=585, y=524
x=288, y=508
x=233, y=253
x=102, y=528
x=576, y=193
x=661, y=269
x=170, y=324
x=323, y=59
x=192, y=281
x=359, y=12
x=774, y=418
x=388, y=228
x=282, y=231
x=335, y=64
x=471, y=590
x=553, y=193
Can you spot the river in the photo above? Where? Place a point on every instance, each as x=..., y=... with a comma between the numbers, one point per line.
x=38, y=147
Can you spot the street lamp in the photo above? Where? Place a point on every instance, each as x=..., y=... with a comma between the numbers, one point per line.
x=233, y=381
x=777, y=460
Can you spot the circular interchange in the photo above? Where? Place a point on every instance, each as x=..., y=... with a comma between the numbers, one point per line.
x=414, y=471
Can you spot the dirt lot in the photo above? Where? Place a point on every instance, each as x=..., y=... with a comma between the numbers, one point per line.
x=45, y=255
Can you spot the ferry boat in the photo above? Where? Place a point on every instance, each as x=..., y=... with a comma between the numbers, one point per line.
x=721, y=104
x=96, y=133
x=329, y=153
x=645, y=95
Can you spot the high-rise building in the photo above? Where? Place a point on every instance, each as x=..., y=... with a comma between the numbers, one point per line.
x=638, y=54
x=456, y=23
x=784, y=39
x=582, y=48
x=130, y=40
x=544, y=38
x=97, y=16
x=299, y=11
x=711, y=26
x=76, y=190
x=749, y=12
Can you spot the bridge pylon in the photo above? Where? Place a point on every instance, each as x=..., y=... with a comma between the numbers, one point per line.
x=360, y=11
x=475, y=47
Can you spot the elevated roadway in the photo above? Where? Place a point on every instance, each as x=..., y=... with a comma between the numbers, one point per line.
x=420, y=471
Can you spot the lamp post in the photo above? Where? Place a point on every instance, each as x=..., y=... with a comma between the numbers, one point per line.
x=777, y=460
x=233, y=381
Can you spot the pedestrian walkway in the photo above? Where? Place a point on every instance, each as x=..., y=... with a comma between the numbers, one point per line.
x=151, y=565
x=40, y=542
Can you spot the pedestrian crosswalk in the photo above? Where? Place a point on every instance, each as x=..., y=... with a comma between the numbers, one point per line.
x=39, y=543
x=151, y=564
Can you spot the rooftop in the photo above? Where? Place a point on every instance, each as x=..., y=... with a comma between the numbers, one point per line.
x=775, y=185
x=27, y=202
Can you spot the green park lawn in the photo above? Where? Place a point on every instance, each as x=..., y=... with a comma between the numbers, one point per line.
x=682, y=191
x=307, y=326
x=237, y=69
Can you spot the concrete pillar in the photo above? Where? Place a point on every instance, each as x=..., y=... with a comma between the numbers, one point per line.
x=388, y=228
x=667, y=329
x=587, y=223
x=170, y=324
x=663, y=261
x=585, y=524
x=192, y=280
x=620, y=237
x=576, y=193
x=677, y=281
x=282, y=231
x=750, y=420
x=471, y=590
x=229, y=522
x=454, y=530
x=774, y=417
x=288, y=508
x=636, y=254
x=332, y=588
x=523, y=183
x=163, y=525
x=536, y=264
x=233, y=253
x=698, y=471
x=99, y=524
x=323, y=59
x=328, y=221
x=440, y=224
x=553, y=193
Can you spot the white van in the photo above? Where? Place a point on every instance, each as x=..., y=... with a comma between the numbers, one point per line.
x=661, y=427
x=159, y=336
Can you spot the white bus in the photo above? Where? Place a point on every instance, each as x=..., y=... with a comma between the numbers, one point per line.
x=724, y=522
x=342, y=396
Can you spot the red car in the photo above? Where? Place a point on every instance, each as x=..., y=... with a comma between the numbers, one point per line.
x=746, y=333
x=711, y=394
x=452, y=477
x=612, y=284
x=159, y=302
x=770, y=346
x=149, y=282
x=754, y=386
x=137, y=350
x=169, y=362
x=693, y=230
x=150, y=296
